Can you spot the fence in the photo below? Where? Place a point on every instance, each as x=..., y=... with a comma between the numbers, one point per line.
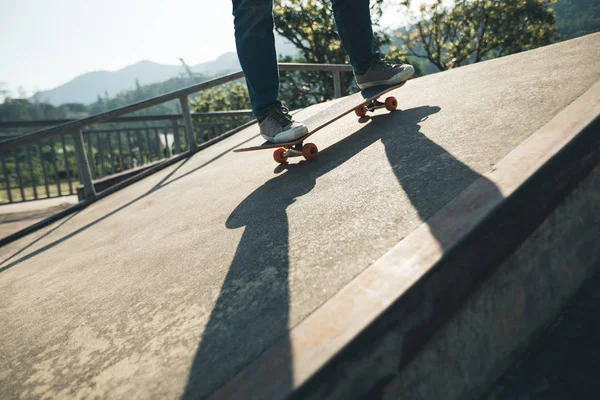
x=54, y=161
x=48, y=168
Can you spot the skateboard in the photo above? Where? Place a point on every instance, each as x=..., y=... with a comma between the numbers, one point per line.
x=361, y=103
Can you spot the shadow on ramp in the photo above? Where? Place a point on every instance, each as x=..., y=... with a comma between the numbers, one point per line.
x=5, y=265
x=252, y=311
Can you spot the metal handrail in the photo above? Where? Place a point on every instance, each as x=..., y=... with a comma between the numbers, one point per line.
x=75, y=127
x=175, y=95
x=141, y=118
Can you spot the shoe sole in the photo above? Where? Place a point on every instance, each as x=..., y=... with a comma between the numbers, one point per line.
x=288, y=136
x=395, y=80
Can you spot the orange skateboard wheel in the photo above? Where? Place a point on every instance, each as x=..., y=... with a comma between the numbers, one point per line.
x=310, y=151
x=278, y=155
x=361, y=111
x=391, y=103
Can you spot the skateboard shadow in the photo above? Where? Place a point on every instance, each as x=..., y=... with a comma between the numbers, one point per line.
x=252, y=311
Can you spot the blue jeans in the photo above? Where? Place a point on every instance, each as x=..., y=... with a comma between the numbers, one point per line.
x=255, y=43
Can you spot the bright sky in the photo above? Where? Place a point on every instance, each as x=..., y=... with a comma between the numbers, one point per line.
x=45, y=43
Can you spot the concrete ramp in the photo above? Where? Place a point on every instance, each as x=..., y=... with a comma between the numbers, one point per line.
x=381, y=269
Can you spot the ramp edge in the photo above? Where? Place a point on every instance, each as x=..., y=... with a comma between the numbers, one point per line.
x=412, y=290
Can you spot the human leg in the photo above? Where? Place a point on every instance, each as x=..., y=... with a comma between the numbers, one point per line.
x=255, y=43
x=353, y=21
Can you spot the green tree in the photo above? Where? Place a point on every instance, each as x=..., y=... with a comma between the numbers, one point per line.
x=4, y=92
x=189, y=73
x=231, y=96
x=310, y=26
x=24, y=110
x=15, y=110
x=75, y=108
x=144, y=92
x=577, y=17
x=476, y=30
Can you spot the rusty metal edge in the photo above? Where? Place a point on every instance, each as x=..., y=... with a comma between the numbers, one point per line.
x=419, y=276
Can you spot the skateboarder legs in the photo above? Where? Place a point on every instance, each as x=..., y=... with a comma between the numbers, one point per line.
x=255, y=42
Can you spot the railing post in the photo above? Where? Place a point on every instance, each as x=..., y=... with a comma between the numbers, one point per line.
x=189, y=126
x=83, y=167
x=337, y=84
x=175, y=126
x=7, y=179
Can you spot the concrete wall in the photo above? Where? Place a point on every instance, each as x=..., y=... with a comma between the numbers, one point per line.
x=512, y=307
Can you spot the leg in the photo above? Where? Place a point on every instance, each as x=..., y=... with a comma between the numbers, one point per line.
x=353, y=21
x=255, y=42
x=253, y=22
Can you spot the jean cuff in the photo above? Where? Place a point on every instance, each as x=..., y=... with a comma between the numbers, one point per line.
x=264, y=110
x=364, y=67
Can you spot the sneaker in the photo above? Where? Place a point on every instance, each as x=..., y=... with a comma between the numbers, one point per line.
x=278, y=126
x=384, y=73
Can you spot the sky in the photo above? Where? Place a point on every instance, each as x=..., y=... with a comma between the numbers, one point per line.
x=46, y=43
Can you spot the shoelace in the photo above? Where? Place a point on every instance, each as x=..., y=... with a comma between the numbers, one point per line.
x=383, y=66
x=282, y=116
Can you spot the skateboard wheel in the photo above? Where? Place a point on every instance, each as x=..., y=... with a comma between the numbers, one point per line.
x=361, y=111
x=391, y=103
x=278, y=155
x=310, y=151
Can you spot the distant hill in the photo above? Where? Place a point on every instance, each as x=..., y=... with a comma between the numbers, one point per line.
x=223, y=64
x=87, y=87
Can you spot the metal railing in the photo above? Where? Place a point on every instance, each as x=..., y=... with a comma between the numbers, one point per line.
x=49, y=169
x=57, y=155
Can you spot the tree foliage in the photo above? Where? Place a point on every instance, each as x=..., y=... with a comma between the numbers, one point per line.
x=231, y=96
x=310, y=26
x=143, y=92
x=24, y=110
x=476, y=30
x=3, y=90
x=577, y=17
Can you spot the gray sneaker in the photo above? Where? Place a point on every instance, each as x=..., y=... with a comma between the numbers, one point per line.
x=384, y=73
x=278, y=126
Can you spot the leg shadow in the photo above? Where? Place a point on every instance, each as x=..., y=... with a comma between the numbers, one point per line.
x=252, y=311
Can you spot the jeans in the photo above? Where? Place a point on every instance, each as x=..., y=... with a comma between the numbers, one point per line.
x=255, y=43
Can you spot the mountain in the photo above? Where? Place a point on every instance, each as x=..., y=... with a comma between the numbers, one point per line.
x=87, y=87
x=225, y=63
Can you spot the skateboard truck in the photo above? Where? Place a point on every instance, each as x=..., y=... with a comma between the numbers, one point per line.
x=308, y=151
x=361, y=103
x=390, y=104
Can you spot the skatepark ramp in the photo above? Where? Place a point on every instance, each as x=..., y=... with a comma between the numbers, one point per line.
x=110, y=157
x=414, y=258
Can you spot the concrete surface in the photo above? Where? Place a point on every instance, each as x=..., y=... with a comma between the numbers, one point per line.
x=173, y=285
x=478, y=343
x=563, y=361
x=17, y=216
x=359, y=342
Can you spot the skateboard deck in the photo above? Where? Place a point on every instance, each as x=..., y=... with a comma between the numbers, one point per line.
x=361, y=103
